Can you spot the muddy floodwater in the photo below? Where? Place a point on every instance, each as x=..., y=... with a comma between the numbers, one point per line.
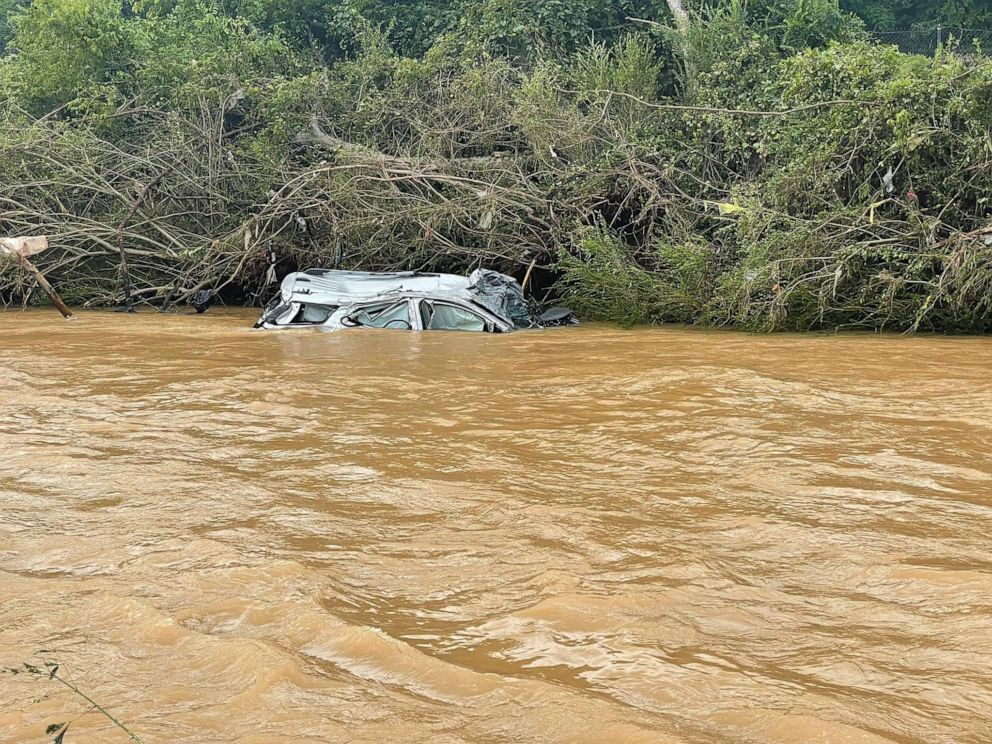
x=576, y=535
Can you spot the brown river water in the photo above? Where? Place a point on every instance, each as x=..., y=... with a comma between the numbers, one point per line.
x=575, y=535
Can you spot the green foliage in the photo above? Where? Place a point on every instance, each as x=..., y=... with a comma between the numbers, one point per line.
x=629, y=66
x=195, y=52
x=522, y=29
x=601, y=280
x=885, y=15
x=68, y=51
x=8, y=9
x=771, y=169
x=817, y=236
x=790, y=25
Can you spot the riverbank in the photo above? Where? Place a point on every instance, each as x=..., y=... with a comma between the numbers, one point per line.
x=768, y=166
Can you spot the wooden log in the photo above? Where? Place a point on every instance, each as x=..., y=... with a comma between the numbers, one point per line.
x=523, y=284
x=351, y=152
x=20, y=249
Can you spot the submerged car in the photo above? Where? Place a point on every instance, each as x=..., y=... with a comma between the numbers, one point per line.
x=410, y=300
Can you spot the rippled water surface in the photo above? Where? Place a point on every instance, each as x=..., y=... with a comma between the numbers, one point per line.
x=587, y=535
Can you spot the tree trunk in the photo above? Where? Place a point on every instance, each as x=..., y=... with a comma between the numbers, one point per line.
x=683, y=24
x=680, y=15
x=43, y=283
x=20, y=249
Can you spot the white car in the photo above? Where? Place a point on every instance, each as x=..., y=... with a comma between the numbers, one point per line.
x=333, y=300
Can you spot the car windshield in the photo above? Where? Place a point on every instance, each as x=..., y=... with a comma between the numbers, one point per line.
x=440, y=316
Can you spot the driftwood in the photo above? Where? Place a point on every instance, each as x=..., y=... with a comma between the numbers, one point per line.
x=23, y=246
x=530, y=269
x=20, y=249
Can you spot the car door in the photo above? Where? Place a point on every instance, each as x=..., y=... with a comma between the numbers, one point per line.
x=443, y=315
x=395, y=314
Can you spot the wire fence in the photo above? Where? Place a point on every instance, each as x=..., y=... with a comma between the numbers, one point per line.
x=927, y=40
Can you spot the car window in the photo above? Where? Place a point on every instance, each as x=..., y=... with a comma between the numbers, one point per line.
x=440, y=316
x=313, y=313
x=426, y=313
x=396, y=315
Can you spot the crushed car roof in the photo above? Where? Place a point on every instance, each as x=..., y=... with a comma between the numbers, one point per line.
x=333, y=287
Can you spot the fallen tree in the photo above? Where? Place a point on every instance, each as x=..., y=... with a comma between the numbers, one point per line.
x=18, y=250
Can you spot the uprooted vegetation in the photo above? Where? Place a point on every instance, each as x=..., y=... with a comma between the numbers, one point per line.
x=758, y=172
